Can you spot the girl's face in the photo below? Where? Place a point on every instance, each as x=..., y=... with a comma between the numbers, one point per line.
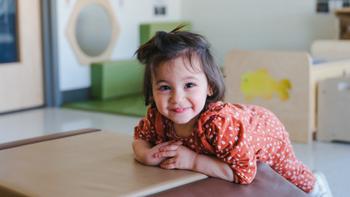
x=180, y=89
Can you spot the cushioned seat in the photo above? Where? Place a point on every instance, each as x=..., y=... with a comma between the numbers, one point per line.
x=267, y=183
x=116, y=87
x=132, y=105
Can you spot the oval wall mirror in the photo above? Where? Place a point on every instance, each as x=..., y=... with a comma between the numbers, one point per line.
x=93, y=29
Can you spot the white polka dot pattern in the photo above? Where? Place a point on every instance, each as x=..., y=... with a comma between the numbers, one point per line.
x=239, y=135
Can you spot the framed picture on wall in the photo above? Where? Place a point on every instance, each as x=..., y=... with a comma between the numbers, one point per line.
x=8, y=32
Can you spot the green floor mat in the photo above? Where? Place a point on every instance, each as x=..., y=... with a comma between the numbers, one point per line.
x=131, y=105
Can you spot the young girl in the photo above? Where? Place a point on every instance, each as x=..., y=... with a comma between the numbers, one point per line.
x=188, y=127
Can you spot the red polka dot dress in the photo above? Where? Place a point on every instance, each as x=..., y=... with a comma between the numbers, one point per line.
x=239, y=135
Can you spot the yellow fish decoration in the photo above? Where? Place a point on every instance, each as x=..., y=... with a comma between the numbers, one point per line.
x=261, y=84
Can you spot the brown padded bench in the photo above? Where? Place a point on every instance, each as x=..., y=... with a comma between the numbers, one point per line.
x=102, y=164
x=267, y=183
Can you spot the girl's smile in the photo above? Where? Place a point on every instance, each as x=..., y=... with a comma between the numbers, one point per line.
x=179, y=110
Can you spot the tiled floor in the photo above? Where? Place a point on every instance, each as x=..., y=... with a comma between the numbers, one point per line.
x=333, y=159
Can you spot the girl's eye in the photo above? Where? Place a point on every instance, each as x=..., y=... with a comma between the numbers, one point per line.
x=164, y=88
x=190, y=85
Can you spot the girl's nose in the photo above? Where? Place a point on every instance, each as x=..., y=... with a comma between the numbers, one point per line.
x=176, y=96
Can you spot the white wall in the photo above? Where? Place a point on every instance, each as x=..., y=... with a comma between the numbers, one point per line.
x=256, y=24
x=227, y=24
x=130, y=13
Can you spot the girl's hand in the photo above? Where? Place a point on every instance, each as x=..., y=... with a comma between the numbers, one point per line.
x=181, y=158
x=184, y=158
x=153, y=158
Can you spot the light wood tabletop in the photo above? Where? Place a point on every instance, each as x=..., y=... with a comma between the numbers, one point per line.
x=92, y=164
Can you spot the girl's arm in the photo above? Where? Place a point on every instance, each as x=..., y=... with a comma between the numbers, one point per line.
x=213, y=167
x=184, y=158
x=141, y=148
x=143, y=136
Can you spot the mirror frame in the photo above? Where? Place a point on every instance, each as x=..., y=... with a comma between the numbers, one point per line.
x=82, y=57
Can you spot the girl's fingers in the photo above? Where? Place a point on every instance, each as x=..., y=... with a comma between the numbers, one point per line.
x=170, y=153
x=169, y=163
x=169, y=148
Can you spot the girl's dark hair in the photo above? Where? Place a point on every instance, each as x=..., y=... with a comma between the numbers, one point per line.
x=166, y=46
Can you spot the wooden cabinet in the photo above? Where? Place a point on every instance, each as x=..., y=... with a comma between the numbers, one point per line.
x=334, y=109
x=344, y=23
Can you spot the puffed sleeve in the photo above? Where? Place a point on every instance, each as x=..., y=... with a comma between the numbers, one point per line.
x=227, y=138
x=146, y=128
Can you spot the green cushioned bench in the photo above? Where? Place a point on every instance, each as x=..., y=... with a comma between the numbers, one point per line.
x=132, y=105
x=116, y=87
x=116, y=79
